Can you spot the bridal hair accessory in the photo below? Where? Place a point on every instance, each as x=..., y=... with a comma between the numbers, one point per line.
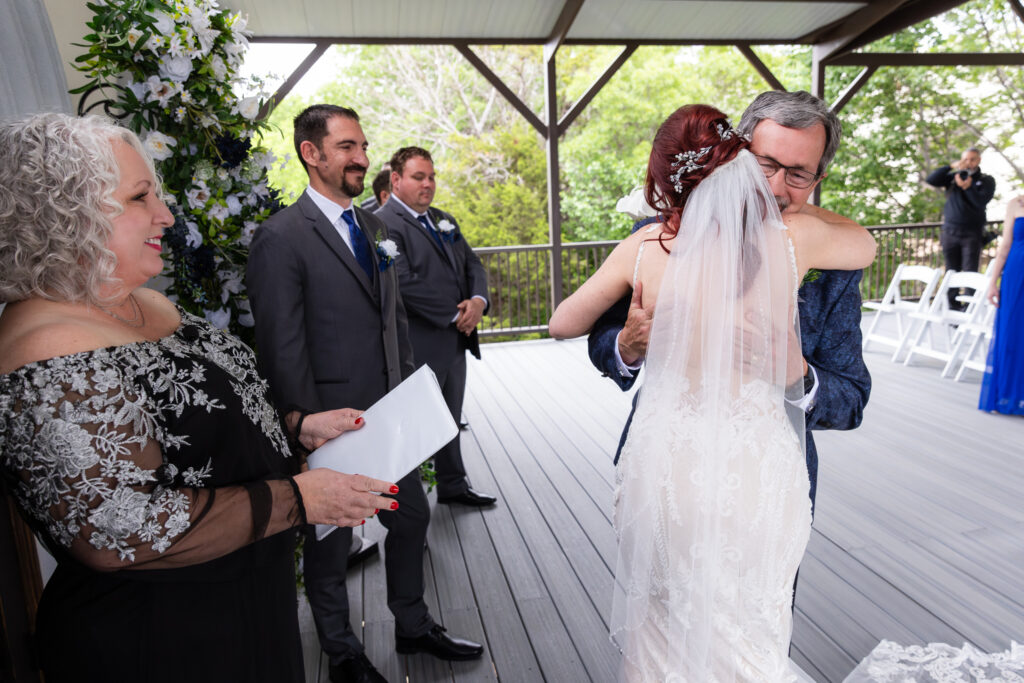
x=686, y=162
x=730, y=132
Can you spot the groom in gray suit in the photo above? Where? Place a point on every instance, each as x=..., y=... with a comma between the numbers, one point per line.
x=444, y=287
x=331, y=332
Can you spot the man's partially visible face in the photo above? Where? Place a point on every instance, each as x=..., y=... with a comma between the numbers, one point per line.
x=794, y=147
x=415, y=186
x=970, y=160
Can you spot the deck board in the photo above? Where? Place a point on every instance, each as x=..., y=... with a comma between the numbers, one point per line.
x=917, y=535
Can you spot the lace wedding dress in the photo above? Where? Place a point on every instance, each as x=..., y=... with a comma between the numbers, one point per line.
x=712, y=507
x=939, y=663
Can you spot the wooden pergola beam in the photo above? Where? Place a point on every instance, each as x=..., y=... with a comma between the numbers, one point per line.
x=594, y=88
x=833, y=39
x=503, y=89
x=561, y=28
x=558, y=33
x=761, y=67
x=929, y=59
x=319, y=48
x=906, y=15
x=852, y=89
x=1017, y=8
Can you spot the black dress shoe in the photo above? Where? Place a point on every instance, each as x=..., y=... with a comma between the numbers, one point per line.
x=366, y=549
x=356, y=669
x=438, y=643
x=469, y=497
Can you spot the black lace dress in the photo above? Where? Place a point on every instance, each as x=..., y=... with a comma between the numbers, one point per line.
x=157, y=474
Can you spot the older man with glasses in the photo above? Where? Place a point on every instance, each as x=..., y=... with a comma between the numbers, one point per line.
x=796, y=133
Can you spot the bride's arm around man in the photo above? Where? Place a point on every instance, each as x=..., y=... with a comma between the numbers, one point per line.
x=795, y=137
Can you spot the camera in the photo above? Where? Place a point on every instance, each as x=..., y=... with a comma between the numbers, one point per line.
x=962, y=175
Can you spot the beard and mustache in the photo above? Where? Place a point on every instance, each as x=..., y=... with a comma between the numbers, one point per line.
x=353, y=189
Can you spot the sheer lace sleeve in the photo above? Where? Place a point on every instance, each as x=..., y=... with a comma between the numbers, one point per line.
x=83, y=451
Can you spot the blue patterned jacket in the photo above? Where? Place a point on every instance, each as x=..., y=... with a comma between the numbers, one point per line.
x=831, y=340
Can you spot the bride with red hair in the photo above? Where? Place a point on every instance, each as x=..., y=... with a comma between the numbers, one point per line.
x=712, y=506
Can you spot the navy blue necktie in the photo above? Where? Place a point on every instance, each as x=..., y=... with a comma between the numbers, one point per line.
x=360, y=246
x=430, y=230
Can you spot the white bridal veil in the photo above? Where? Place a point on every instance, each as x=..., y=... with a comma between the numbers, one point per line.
x=712, y=507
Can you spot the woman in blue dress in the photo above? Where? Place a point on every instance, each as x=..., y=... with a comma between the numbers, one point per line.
x=1002, y=388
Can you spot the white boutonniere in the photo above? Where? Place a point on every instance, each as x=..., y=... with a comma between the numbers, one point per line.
x=447, y=230
x=387, y=250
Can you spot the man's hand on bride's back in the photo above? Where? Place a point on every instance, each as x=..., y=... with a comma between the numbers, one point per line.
x=637, y=330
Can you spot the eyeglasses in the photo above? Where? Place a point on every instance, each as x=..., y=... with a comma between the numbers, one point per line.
x=795, y=177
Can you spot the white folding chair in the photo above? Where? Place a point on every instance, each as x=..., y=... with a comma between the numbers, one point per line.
x=940, y=319
x=893, y=303
x=979, y=333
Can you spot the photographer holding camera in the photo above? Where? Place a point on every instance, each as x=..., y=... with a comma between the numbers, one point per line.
x=968, y=190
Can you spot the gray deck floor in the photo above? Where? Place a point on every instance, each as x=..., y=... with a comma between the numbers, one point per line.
x=918, y=535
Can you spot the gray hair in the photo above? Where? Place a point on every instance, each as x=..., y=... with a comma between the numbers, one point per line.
x=973, y=149
x=58, y=175
x=798, y=109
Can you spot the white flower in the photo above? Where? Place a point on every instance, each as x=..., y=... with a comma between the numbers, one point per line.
x=175, y=68
x=218, y=212
x=220, y=318
x=219, y=68
x=138, y=89
x=248, y=107
x=179, y=114
x=198, y=196
x=234, y=205
x=164, y=24
x=238, y=23
x=207, y=121
x=388, y=249
x=159, y=90
x=133, y=36
x=175, y=46
x=194, y=238
x=186, y=96
x=232, y=284
x=159, y=145
x=248, y=229
x=445, y=226
x=206, y=38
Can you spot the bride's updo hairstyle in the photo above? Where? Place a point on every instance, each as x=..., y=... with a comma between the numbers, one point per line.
x=690, y=128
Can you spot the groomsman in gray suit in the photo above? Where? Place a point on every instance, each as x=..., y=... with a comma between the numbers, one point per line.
x=331, y=332
x=444, y=287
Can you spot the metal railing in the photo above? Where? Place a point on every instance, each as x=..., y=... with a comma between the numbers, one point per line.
x=519, y=277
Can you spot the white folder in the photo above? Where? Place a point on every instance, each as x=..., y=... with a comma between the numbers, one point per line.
x=404, y=428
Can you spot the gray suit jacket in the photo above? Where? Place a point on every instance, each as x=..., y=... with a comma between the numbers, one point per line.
x=326, y=336
x=433, y=282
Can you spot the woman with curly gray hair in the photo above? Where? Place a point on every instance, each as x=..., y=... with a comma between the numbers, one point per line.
x=138, y=440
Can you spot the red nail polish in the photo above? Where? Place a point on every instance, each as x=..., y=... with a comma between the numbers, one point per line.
x=376, y=511
x=362, y=522
x=394, y=505
x=359, y=420
x=393, y=489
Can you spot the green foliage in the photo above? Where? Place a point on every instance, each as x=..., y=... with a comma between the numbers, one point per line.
x=907, y=121
x=167, y=68
x=491, y=164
